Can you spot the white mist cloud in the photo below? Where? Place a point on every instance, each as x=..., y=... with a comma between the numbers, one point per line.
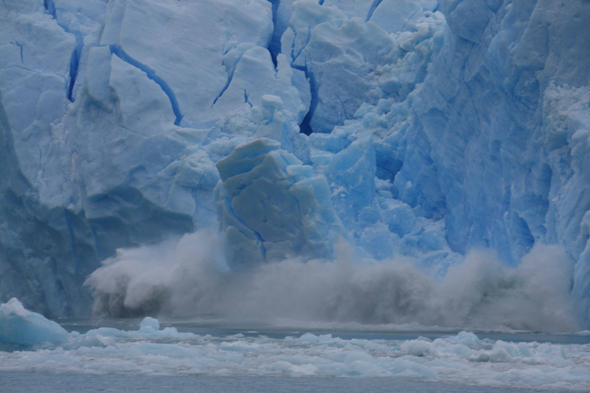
x=190, y=278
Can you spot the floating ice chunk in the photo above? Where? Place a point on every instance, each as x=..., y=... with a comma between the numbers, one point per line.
x=271, y=206
x=23, y=327
x=314, y=339
x=149, y=324
x=466, y=338
x=416, y=347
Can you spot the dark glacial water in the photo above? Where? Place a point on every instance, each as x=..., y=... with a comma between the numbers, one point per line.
x=60, y=383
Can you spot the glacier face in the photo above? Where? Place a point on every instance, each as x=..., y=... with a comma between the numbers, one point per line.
x=271, y=206
x=419, y=128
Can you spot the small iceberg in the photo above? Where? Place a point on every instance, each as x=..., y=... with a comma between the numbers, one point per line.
x=23, y=327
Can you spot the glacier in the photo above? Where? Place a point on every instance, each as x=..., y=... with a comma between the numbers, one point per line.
x=417, y=129
x=271, y=206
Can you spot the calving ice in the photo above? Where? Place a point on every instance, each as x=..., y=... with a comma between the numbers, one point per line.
x=302, y=188
x=391, y=161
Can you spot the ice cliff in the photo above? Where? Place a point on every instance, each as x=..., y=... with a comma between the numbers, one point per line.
x=271, y=206
x=418, y=128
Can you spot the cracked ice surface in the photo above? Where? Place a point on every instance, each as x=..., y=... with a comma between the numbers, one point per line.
x=438, y=127
x=192, y=38
x=271, y=206
x=114, y=168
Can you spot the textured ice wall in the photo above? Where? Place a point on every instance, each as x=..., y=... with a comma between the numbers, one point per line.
x=479, y=125
x=439, y=126
x=99, y=101
x=271, y=206
x=490, y=129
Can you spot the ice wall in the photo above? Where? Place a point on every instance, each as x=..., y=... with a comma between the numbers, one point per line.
x=105, y=111
x=271, y=207
x=438, y=126
x=510, y=173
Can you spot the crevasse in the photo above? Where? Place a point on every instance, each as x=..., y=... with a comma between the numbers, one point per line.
x=439, y=127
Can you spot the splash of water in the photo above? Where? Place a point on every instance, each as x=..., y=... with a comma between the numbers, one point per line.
x=189, y=277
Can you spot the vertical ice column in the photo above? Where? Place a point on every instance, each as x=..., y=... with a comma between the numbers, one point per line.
x=270, y=206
